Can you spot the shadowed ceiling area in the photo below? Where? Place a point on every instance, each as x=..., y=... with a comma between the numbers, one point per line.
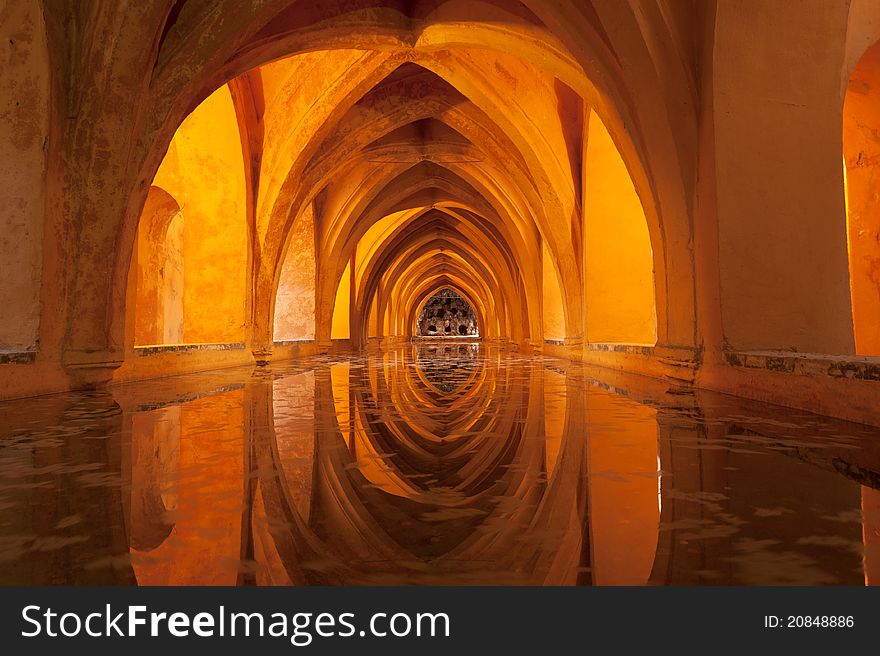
x=439, y=145
x=447, y=314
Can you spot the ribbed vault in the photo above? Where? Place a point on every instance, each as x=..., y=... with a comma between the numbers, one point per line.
x=426, y=143
x=595, y=175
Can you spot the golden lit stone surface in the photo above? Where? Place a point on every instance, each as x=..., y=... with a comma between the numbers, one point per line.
x=221, y=223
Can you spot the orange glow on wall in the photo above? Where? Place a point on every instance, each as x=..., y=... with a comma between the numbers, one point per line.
x=342, y=309
x=24, y=108
x=554, y=313
x=619, y=260
x=295, y=300
x=206, y=512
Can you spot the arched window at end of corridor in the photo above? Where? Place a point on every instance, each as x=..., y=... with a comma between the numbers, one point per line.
x=861, y=156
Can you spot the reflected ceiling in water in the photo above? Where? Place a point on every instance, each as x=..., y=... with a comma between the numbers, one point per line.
x=442, y=464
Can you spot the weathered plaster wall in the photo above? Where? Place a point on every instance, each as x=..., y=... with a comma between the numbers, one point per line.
x=155, y=250
x=340, y=328
x=173, y=279
x=446, y=314
x=158, y=268
x=296, y=91
x=553, y=314
x=862, y=32
x=24, y=119
x=203, y=170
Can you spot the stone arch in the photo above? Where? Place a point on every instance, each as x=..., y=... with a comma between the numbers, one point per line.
x=420, y=269
x=438, y=187
x=294, y=304
x=158, y=269
x=659, y=255
x=202, y=178
x=656, y=145
x=861, y=157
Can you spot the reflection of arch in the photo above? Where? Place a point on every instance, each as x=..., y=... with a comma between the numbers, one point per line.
x=159, y=270
x=861, y=154
x=468, y=440
x=432, y=365
x=24, y=106
x=294, y=302
x=154, y=464
x=454, y=246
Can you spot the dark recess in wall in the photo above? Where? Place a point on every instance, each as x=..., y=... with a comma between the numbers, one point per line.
x=447, y=314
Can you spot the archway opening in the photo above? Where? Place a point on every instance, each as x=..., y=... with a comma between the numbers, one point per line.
x=159, y=271
x=861, y=154
x=295, y=298
x=191, y=254
x=447, y=314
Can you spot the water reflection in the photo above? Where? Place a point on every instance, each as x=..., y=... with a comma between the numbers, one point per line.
x=432, y=463
x=446, y=364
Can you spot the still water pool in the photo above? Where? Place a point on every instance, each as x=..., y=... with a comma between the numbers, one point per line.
x=435, y=463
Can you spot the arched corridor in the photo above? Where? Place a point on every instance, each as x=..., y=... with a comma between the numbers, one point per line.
x=447, y=314
x=439, y=283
